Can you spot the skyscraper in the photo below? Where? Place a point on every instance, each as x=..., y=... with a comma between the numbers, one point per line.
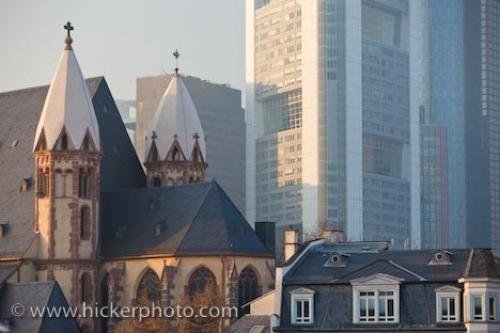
x=331, y=140
x=459, y=80
x=442, y=106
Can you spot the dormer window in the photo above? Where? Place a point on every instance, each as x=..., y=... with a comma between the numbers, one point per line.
x=441, y=257
x=376, y=299
x=337, y=259
x=302, y=306
x=448, y=304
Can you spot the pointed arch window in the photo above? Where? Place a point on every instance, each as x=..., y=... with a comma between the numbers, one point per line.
x=149, y=289
x=156, y=182
x=201, y=280
x=42, y=183
x=248, y=286
x=85, y=183
x=85, y=223
x=175, y=154
x=86, y=289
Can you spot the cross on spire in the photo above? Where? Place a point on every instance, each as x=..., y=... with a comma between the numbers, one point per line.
x=176, y=54
x=68, y=27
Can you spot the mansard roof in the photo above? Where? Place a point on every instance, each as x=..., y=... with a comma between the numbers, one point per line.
x=409, y=265
x=176, y=119
x=195, y=219
x=68, y=106
x=20, y=111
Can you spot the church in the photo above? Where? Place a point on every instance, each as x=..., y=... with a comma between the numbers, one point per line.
x=78, y=207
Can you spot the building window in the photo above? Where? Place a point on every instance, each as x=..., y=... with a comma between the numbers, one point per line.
x=156, y=182
x=302, y=303
x=376, y=306
x=85, y=223
x=149, y=289
x=248, y=287
x=448, y=304
x=477, y=307
x=86, y=288
x=85, y=183
x=492, y=308
x=201, y=281
x=42, y=183
x=376, y=299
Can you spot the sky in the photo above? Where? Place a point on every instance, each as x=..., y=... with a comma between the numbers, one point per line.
x=122, y=40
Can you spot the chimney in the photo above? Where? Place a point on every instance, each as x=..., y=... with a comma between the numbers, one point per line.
x=266, y=232
x=291, y=242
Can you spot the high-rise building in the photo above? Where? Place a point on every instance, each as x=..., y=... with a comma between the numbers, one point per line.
x=223, y=122
x=331, y=140
x=441, y=104
x=482, y=122
x=459, y=80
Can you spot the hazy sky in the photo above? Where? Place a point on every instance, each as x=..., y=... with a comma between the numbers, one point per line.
x=122, y=40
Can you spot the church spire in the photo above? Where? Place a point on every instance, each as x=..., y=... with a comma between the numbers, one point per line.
x=176, y=139
x=68, y=120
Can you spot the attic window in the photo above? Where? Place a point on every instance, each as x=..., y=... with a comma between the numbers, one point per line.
x=337, y=259
x=441, y=257
x=158, y=229
x=4, y=227
x=25, y=184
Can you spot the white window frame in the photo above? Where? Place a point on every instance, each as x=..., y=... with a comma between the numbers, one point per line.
x=472, y=298
x=377, y=284
x=447, y=292
x=495, y=315
x=302, y=295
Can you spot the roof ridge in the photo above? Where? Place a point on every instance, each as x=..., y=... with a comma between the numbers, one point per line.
x=469, y=263
x=194, y=218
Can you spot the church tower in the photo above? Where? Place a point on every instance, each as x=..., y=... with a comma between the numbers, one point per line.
x=175, y=148
x=67, y=155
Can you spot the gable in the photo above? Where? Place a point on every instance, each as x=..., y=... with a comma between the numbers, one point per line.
x=377, y=279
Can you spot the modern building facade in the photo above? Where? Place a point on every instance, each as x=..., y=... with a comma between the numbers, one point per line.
x=342, y=98
x=441, y=86
x=458, y=83
x=223, y=122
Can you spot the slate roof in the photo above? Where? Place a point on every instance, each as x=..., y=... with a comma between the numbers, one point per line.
x=35, y=294
x=259, y=324
x=195, y=219
x=412, y=266
x=19, y=113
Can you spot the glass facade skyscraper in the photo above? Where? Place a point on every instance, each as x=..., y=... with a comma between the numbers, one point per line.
x=335, y=75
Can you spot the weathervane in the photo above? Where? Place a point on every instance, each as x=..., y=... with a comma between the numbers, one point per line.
x=68, y=27
x=176, y=54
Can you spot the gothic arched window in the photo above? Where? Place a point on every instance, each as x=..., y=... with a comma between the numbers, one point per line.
x=85, y=183
x=200, y=281
x=42, y=183
x=248, y=286
x=85, y=223
x=156, y=182
x=149, y=289
x=86, y=288
x=175, y=154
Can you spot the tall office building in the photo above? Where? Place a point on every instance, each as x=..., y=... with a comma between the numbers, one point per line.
x=331, y=140
x=222, y=119
x=459, y=80
x=482, y=122
x=441, y=101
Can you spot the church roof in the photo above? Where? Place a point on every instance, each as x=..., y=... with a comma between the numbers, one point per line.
x=176, y=119
x=20, y=111
x=195, y=219
x=68, y=106
x=35, y=294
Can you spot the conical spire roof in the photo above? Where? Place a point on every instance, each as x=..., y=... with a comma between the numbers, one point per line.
x=68, y=105
x=176, y=119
